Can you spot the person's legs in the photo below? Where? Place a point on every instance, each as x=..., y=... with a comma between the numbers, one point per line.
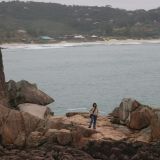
x=94, y=121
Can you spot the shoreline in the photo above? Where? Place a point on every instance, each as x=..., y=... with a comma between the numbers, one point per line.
x=63, y=44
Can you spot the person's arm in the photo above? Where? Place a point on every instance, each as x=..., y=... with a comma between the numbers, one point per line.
x=97, y=112
x=90, y=111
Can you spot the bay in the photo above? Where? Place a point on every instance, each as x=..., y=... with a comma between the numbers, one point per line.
x=77, y=76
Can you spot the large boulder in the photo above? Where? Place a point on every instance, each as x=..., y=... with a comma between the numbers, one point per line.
x=42, y=112
x=155, y=125
x=59, y=123
x=140, y=118
x=62, y=137
x=25, y=92
x=12, y=127
x=16, y=126
x=121, y=114
x=132, y=114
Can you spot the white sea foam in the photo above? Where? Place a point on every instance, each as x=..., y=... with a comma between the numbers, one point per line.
x=68, y=44
x=73, y=109
x=132, y=42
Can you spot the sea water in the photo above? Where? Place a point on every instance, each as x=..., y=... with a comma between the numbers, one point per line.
x=78, y=75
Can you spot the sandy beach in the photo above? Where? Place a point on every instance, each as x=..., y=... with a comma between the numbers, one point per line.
x=74, y=44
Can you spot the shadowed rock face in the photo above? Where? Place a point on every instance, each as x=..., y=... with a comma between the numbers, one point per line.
x=120, y=150
x=25, y=92
x=3, y=95
x=155, y=125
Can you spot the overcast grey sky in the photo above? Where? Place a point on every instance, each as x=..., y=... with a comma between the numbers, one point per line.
x=126, y=4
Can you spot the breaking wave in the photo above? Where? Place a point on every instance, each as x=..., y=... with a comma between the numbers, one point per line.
x=67, y=44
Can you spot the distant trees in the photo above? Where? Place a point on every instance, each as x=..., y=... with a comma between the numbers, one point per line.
x=51, y=19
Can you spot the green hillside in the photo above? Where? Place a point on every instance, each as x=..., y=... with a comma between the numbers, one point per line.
x=27, y=21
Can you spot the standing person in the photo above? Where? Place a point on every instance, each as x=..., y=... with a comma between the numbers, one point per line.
x=93, y=115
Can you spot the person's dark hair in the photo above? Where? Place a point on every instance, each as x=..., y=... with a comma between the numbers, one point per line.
x=95, y=105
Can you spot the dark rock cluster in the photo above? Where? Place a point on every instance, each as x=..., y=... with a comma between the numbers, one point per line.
x=46, y=152
x=94, y=150
x=121, y=150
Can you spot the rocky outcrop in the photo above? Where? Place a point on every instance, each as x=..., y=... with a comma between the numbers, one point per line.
x=67, y=131
x=47, y=152
x=120, y=150
x=25, y=92
x=24, y=129
x=132, y=114
x=108, y=141
x=16, y=126
x=94, y=150
x=155, y=125
x=42, y=112
x=140, y=118
x=121, y=114
x=84, y=114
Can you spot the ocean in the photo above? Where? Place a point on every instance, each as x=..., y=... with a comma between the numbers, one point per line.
x=78, y=75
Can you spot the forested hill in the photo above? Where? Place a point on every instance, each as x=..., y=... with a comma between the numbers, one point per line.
x=30, y=20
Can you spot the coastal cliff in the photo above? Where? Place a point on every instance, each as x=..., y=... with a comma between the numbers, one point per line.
x=28, y=129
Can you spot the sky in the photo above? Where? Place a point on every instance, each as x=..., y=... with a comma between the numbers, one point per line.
x=124, y=4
